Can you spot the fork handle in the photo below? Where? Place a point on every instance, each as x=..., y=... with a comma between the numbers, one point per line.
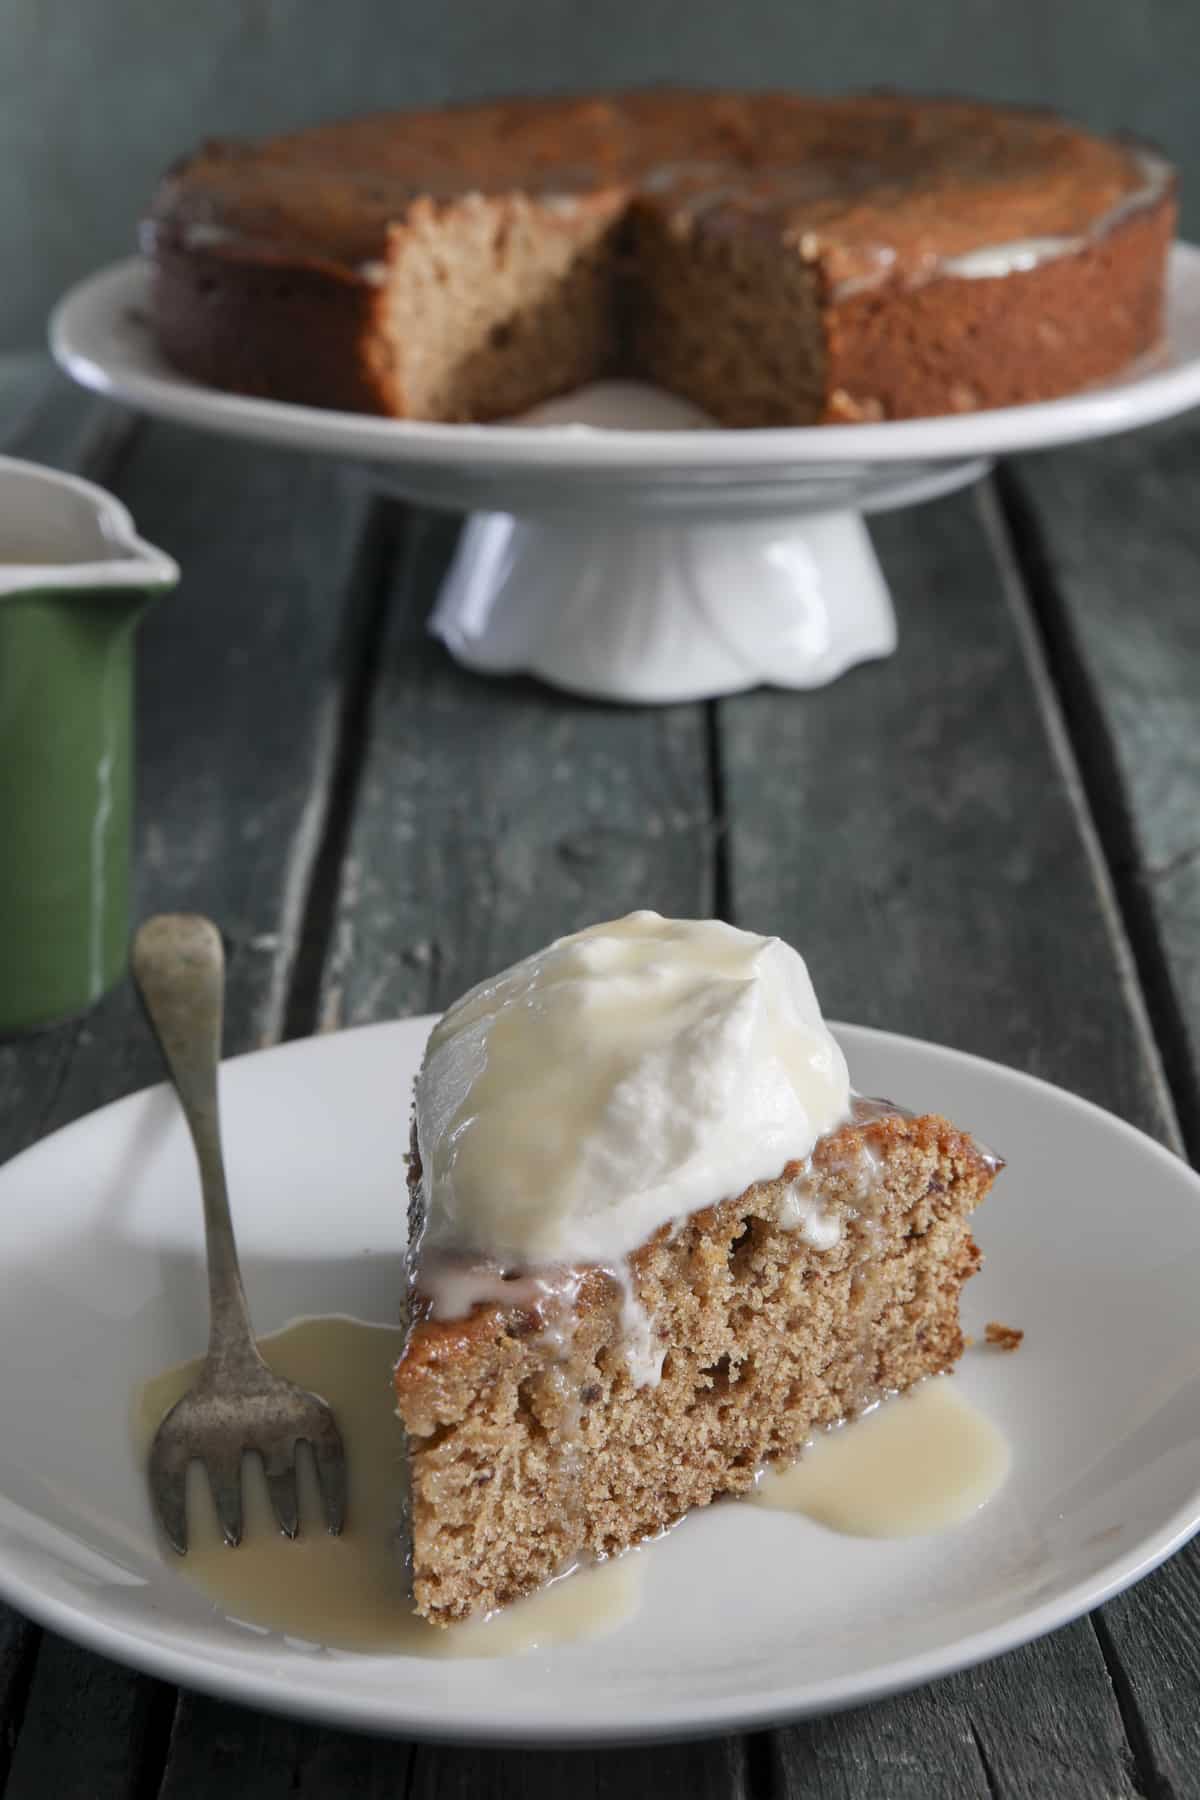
x=179, y=967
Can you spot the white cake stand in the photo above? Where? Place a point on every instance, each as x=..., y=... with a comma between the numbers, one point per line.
x=621, y=546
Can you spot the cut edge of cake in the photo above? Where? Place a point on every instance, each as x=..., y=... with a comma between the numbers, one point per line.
x=535, y=1441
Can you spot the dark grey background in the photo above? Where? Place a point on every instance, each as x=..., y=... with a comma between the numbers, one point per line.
x=96, y=96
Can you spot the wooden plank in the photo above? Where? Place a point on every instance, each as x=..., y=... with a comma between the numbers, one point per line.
x=916, y=829
x=232, y=1752
x=878, y=1751
x=1151, y=1642
x=18, y=1640
x=85, y=1729
x=705, y=1771
x=338, y=1763
x=1110, y=543
x=913, y=829
x=495, y=815
x=1039, y=1722
x=217, y=1749
x=238, y=710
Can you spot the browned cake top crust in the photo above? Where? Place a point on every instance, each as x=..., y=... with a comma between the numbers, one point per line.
x=869, y=187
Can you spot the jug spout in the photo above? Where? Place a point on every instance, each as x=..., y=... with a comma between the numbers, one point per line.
x=74, y=579
x=63, y=536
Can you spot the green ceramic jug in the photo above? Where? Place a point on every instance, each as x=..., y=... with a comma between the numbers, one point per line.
x=75, y=578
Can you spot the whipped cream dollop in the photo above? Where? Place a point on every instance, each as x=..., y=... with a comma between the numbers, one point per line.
x=617, y=1081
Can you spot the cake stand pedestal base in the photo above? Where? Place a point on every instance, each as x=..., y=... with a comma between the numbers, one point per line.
x=624, y=608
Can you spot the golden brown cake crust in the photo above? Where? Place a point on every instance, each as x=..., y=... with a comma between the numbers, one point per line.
x=963, y=346
x=530, y=1442
x=305, y=267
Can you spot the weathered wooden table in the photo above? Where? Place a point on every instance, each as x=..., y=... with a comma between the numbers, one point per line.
x=992, y=840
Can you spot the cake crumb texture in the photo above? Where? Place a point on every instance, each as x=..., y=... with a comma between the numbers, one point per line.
x=529, y=1443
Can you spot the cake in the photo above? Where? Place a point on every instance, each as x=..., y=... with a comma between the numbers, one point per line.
x=656, y=1243
x=774, y=259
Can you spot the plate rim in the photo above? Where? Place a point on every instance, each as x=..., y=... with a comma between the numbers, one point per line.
x=501, y=450
x=378, y=1713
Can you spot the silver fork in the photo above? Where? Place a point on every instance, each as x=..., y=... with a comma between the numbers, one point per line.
x=237, y=1404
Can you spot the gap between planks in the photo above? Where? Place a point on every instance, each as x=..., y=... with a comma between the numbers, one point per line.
x=310, y=913
x=722, y=889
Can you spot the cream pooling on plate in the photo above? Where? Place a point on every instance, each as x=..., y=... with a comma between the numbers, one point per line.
x=617, y=1081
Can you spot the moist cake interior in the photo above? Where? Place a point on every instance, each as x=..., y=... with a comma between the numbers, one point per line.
x=534, y=1437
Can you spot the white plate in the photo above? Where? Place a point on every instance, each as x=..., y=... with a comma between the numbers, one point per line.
x=99, y=335
x=1093, y=1246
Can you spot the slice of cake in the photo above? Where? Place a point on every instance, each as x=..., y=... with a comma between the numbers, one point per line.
x=656, y=1242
